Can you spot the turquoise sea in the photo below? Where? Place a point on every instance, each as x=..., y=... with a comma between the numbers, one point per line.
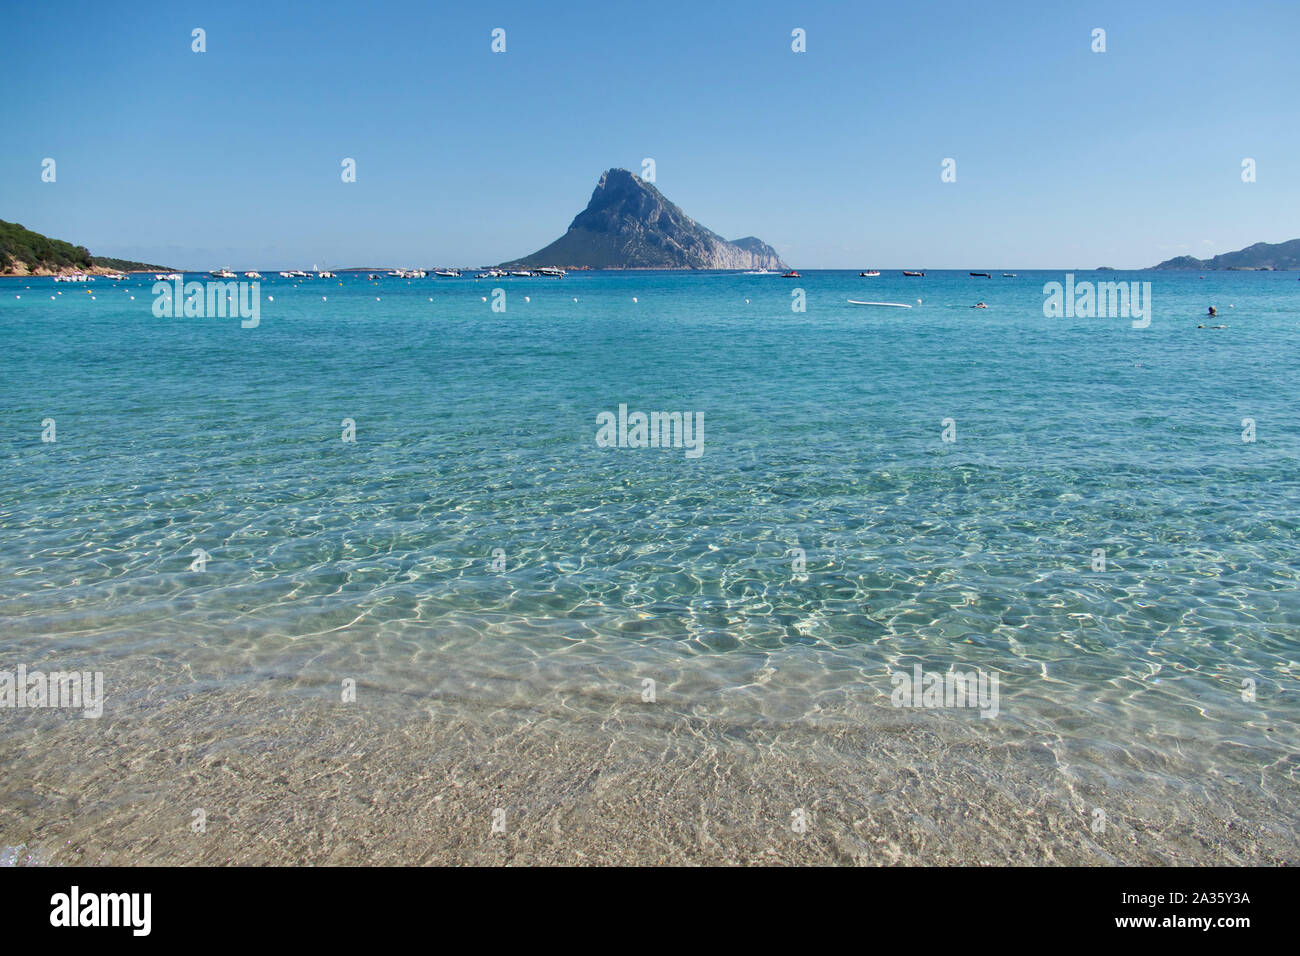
x=1098, y=534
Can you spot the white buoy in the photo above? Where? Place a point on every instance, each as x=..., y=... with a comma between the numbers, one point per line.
x=918, y=301
x=746, y=302
x=633, y=298
x=323, y=299
x=269, y=298
x=483, y=297
x=526, y=299
x=132, y=298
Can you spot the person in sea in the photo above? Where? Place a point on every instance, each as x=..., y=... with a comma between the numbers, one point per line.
x=979, y=305
x=1213, y=311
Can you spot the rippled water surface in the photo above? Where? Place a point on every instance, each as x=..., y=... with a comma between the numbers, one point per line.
x=475, y=431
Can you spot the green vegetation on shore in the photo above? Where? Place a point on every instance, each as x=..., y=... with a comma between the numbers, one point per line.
x=25, y=252
x=129, y=265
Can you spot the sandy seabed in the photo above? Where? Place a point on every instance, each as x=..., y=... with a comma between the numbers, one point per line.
x=283, y=778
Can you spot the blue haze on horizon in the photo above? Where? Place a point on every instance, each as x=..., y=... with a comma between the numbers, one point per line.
x=1065, y=158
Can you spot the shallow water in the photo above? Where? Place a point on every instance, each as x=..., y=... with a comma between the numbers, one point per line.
x=475, y=431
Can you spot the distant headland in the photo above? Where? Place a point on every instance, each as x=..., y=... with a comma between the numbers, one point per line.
x=629, y=224
x=27, y=253
x=1262, y=256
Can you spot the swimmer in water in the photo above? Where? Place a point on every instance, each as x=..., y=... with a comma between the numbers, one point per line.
x=1213, y=311
x=979, y=305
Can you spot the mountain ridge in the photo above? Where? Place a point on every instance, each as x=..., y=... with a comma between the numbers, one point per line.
x=1261, y=255
x=629, y=224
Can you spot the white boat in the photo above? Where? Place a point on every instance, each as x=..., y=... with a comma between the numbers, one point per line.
x=759, y=272
x=115, y=277
x=326, y=275
x=252, y=275
x=447, y=273
x=551, y=272
x=286, y=275
x=223, y=274
x=523, y=274
x=890, y=305
x=870, y=273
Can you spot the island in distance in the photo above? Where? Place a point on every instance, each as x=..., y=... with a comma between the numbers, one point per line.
x=1262, y=256
x=628, y=224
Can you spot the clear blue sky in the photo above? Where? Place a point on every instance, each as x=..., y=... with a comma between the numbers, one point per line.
x=1065, y=157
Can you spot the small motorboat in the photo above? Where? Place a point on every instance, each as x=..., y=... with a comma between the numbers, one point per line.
x=870, y=274
x=1008, y=275
x=447, y=273
x=223, y=274
x=791, y=275
x=906, y=273
x=982, y=275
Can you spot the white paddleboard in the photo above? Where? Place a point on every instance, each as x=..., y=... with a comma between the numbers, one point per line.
x=892, y=305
